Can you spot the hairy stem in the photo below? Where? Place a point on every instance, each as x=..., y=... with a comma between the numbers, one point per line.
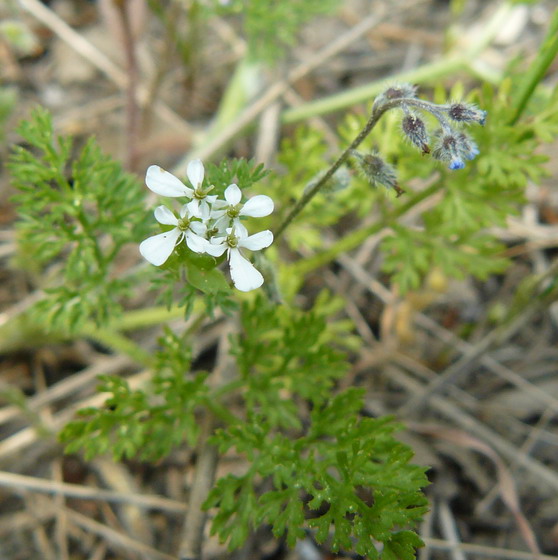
x=315, y=189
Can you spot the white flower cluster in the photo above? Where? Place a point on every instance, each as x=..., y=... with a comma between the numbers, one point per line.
x=207, y=224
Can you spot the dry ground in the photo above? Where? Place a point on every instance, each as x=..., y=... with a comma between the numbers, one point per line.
x=481, y=401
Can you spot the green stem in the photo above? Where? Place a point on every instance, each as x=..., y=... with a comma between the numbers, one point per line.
x=140, y=318
x=427, y=73
x=365, y=93
x=22, y=331
x=221, y=412
x=118, y=343
x=227, y=388
x=546, y=54
x=313, y=191
x=133, y=320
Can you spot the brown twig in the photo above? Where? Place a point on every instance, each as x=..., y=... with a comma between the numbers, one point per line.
x=192, y=535
x=132, y=129
x=100, y=61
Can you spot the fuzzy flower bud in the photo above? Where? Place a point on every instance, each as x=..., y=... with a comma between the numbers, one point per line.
x=377, y=171
x=397, y=91
x=468, y=148
x=449, y=149
x=415, y=130
x=400, y=90
x=466, y=112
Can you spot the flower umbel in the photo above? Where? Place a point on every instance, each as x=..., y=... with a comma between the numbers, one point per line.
x=206, y=224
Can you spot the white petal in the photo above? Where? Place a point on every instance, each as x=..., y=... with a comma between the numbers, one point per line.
x=164, y=183
x=239, y=230
x=258, y=206
x=221, y=223
x=204, y=207
x=164, y=216
x=243, y=273
x=198, y=228
x=205, y=213
x=218, y=205
x=257, y=241
x=184, y=213
x=194, y=208
x=216, y=247
x=195, y=242
x=233, y=194
x=195, y=172
x=216, y=214
x=158, y=249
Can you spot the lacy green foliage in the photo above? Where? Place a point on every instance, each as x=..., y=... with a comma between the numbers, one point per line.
x=314, y=462
x=144, y=423
x=452, y=234
x=511, y=158
x=412, y=254
x=76, y=214
x=342, y=198
x=345, y=477
x=186, y=274
x=281, y=373
x=240, y=171
x=271, y=27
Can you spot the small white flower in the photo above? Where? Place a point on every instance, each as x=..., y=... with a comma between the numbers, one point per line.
x=243, y=273
x=166, y=184
x=227, y=212
x=158, y=249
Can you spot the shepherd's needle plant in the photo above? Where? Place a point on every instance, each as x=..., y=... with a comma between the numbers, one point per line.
x=314, y=463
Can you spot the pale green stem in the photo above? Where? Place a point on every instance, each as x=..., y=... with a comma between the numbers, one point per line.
x=117, y=342
x=427, y=73
x=546, y=55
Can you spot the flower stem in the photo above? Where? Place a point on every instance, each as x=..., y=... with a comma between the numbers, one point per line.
x=310, y=193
